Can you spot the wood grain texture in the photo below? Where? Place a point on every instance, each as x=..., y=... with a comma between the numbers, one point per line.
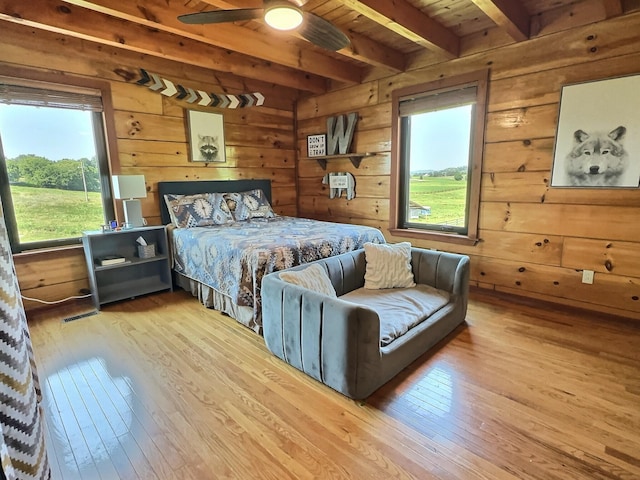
x=519, y=209
x=160, y=387
x=101, y=28
x=618, y=258
x=572, y=42
x=562, y=219
x=607, y=293
x=152, y=136
x=519, y=156
x=511, y=16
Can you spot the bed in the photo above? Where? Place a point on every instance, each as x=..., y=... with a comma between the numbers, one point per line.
x=223, y=264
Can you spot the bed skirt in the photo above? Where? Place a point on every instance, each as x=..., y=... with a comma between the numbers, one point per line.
x=211, y=298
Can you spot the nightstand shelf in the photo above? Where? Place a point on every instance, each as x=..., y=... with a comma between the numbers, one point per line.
x=122, y=291
x=132, y=278
x=132, y=262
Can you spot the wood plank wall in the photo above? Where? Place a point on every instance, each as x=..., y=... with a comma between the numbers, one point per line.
x=152, y=137
x=535, y=240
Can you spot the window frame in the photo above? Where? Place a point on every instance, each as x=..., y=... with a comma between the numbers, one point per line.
x=106, y=149
x=479, y=79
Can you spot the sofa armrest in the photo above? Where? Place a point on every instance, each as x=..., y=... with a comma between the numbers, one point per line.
x=332, y=340
x=443, y=270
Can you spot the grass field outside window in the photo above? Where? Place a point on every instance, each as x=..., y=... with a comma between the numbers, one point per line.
x=47, y=213
x=446, y=196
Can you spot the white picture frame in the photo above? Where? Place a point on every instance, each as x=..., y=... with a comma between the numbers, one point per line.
x=598, y=135
x=317, y=145
x=338, y=181
x=206, y=137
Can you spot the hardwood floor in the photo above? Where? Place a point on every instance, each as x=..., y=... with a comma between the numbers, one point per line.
x=161, y=388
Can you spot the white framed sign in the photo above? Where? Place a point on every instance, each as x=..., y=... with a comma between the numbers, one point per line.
x=316, y=145
x=338, y=181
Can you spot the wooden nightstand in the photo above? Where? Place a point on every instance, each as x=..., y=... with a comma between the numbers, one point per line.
x=135, y=276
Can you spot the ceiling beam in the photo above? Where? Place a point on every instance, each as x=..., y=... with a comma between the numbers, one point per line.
x=51, y=15
x=362, y=48
x=223, y=4
x=613, y=8
x=509, y=15
x=406, y=20
x=369, y=51
x=162, y=15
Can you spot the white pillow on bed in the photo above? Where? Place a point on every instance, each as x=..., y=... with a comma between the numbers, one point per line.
x=198, y=210
x=314, y=277
x=388, y=266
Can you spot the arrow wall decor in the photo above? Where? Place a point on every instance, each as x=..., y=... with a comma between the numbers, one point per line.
x=155, y=82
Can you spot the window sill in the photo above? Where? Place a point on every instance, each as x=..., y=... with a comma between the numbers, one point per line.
x=436, y=236
x=42, y=251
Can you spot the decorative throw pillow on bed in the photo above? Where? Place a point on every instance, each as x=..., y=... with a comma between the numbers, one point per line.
x=199, y=210
x=251, y=204
x=314, y=277
x=388, y=266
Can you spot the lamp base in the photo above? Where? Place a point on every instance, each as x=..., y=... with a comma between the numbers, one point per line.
x=132, y=213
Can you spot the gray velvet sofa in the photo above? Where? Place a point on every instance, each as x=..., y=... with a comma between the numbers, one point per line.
x=338, y=342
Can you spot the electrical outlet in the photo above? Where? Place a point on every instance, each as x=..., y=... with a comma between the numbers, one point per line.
x=587, y=276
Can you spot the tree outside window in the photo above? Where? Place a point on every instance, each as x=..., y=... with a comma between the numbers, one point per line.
x=53, y=163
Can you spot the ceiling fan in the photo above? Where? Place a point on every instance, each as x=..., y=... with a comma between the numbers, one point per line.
x=281, y=15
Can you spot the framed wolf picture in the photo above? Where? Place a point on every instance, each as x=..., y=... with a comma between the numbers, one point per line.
x=598, y=136
x=206, y=136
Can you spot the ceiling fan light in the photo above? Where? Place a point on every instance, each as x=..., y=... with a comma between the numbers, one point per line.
x=283, y=17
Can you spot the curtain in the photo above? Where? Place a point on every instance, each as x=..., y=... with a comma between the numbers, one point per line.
x=438, y=100
x=23, y=454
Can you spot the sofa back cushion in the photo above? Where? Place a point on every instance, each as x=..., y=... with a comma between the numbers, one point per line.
x=388, y=266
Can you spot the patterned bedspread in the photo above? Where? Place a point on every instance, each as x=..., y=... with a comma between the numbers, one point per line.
x=233, y=258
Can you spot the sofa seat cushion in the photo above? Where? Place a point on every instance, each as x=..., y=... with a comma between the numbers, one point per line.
x=399, y=309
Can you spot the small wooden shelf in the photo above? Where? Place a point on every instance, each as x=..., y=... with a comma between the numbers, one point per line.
x=355, y=158
x=131, y=262
x=132, y=288
x=137, y=276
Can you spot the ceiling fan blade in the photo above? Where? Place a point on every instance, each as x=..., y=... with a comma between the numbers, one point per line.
x=322, y=33
x=222, y=16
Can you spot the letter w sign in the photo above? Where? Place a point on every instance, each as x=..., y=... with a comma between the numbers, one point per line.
x=338, y=137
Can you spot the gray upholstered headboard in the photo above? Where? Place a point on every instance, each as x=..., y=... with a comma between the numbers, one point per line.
x=207, y=186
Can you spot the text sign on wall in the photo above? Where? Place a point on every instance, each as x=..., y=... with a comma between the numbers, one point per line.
x=338, y=181
x=316, y=145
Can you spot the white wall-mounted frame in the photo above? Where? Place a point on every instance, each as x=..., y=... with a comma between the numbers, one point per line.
x=317, y=145
x=206, y=137
x=598, y=135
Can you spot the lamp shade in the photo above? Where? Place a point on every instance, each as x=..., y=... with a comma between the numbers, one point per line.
x=283, y=16
x=129, y=186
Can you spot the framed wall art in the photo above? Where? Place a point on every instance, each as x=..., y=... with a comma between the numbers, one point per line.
x=598, y=136
x=316, y=145
x=206, y=137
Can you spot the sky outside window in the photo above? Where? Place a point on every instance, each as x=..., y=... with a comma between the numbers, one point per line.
x=52, y=133
x=440, y=139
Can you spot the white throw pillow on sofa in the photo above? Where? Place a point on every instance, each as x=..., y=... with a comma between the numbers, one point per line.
x=314, y=277
x=388, y=266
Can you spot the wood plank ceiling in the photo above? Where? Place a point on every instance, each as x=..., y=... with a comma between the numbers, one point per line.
x=384, y=34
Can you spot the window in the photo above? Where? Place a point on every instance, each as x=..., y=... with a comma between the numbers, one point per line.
x=438, y=137
x=54, y=168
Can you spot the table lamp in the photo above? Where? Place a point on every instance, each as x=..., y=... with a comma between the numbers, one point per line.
x=129, y=188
